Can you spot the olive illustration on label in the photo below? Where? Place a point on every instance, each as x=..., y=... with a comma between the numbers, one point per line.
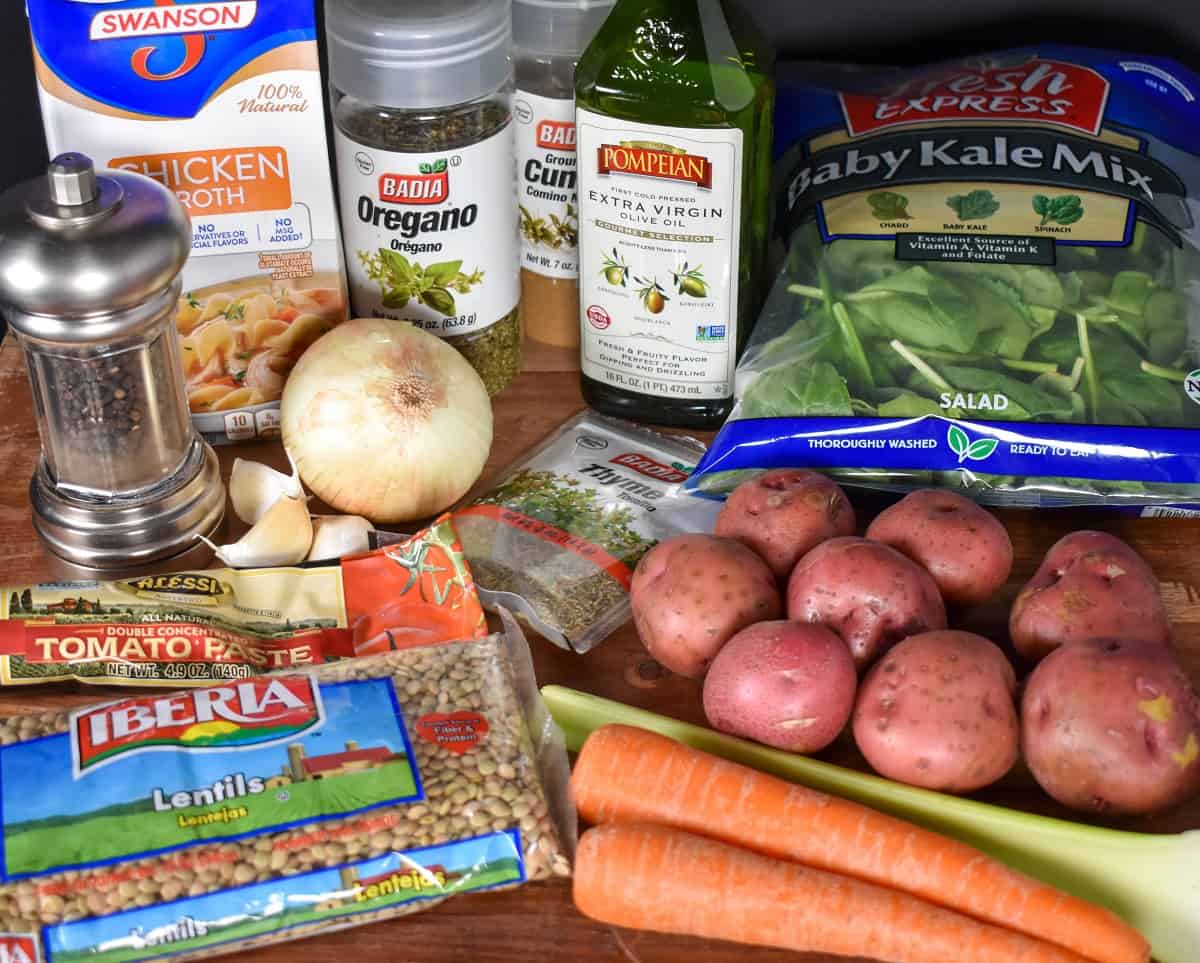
x=690, y=282
x=615, y=270
x=653, y=296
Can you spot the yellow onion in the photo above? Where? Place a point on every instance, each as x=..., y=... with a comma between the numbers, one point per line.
x=386, y=421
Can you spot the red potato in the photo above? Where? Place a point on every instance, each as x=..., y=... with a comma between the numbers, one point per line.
x=963, y=546
x=1112, y=726
x=786, y=684
x=867, y=593
x=691, y=593
x=937, y=711
x=784, y=514
x=1090, y=585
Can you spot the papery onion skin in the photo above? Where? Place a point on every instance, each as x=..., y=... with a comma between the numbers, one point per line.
x=386, y=421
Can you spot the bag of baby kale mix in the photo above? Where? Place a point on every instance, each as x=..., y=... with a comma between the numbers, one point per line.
x=991, y=283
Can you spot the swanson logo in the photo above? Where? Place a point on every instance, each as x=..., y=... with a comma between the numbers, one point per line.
x=431, y=185
x=967, y=450
x=192, y=22
x=254, y=712
x=645, y=159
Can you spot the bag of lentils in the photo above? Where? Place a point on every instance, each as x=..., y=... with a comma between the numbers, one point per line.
x=212, y=820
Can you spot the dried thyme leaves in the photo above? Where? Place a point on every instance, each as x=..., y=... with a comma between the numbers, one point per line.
x=494, y=352
x=557, y=540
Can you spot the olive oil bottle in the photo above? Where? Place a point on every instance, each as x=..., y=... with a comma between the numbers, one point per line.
x=673, y=117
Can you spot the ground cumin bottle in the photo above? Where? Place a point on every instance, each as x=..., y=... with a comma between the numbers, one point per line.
x=421, y=94
x=548, y=37
x=673, y=128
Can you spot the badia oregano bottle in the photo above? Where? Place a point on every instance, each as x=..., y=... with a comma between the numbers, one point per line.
x=673, y=119
x=421, y=96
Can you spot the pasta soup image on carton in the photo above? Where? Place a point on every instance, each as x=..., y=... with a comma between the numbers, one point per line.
x=221, y=101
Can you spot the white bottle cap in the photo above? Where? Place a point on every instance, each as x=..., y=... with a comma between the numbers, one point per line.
x=415, y=54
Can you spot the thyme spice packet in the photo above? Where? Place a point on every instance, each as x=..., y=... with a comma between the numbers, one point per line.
x=557, y=540
x=991, y=283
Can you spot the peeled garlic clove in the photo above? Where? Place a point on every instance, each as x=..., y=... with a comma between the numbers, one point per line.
x=281, y=537
x=338, y=535
x=255, y=487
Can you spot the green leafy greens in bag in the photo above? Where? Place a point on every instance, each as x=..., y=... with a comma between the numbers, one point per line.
x=976, y=295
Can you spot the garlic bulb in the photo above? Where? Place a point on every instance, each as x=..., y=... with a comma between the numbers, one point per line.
x=337, y=535
x=255, y=487
x=282, y=536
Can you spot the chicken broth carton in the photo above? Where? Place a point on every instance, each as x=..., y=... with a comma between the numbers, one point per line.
x=221, y=101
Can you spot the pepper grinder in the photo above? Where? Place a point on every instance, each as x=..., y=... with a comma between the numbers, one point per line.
x=89, y=282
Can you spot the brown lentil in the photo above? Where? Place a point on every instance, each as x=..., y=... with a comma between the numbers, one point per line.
x=479, y=677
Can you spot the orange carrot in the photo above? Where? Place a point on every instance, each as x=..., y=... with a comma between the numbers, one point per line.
x=649, y=877
x=626, y=774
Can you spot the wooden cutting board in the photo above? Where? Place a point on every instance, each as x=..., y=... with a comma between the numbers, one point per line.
x=537, y=924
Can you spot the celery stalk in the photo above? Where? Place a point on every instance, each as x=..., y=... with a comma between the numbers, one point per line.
x=1151, y=881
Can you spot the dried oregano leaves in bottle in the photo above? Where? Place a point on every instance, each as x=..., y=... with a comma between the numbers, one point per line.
x=424, y=139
